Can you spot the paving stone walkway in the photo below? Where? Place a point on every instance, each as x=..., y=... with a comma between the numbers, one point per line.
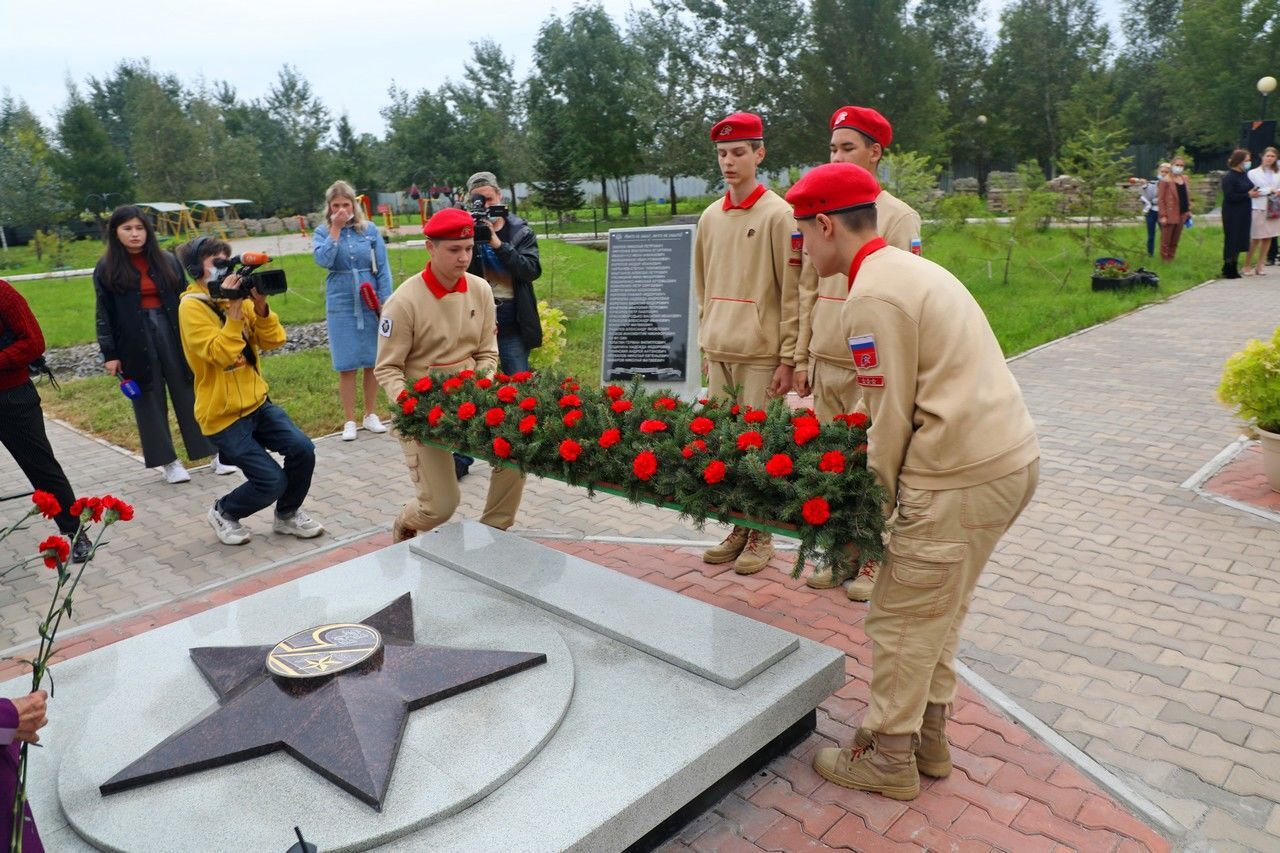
x=1138, y=619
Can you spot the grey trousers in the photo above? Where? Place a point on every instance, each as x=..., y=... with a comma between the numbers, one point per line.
x=150, y=410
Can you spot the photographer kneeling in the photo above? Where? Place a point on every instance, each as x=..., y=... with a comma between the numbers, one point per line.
x=223, y=333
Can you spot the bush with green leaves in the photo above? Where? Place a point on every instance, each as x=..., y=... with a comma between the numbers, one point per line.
x=912, y=177
x=1251, y=383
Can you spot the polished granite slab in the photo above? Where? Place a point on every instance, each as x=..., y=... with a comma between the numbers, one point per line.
x=588, y=751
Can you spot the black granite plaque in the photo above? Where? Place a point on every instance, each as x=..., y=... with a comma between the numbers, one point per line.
x=648, y=300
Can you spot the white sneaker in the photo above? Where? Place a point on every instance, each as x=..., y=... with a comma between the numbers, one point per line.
x=349, y=431
x=299, y=524
x=220, y=469
x=373, y=424
x=230, y=532
x=175, y=473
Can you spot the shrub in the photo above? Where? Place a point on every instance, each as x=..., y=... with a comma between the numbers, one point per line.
x=1251, y=383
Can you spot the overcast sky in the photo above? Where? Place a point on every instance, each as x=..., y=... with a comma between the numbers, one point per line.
x=349, y=52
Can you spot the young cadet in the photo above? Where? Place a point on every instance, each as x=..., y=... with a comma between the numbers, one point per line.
x=953, y=445
x=859, y=135
x=442, y=320
x=745, y=270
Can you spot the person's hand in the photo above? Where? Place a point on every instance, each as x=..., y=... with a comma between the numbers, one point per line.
x=259, y=302
x=782, y=379
x=112, y=367
x=1254, y=193
x=1164, y=220
x=800, y=383
x=495, y=225
x=338, y=220
x=31, y=715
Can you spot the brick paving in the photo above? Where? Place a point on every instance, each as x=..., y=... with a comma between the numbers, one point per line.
x=1138, y=619
x=1242, y=479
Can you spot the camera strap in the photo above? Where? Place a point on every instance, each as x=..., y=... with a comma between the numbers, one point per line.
x=249, y=355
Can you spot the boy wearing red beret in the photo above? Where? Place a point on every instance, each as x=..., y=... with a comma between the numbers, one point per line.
x=745, y=272
x=442, y=321
x=859, y=135
x=955, y=448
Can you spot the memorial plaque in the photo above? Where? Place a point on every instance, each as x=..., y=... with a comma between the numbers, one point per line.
x=650, y=319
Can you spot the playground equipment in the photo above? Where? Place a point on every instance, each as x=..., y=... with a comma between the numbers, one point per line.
x=219, y=216
x=171, y=219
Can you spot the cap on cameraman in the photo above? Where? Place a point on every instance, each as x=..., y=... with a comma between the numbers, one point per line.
x=482, y=179
x=450, y=224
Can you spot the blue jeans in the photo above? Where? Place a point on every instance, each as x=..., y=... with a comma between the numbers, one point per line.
x=1153, y=217
x=245, y=444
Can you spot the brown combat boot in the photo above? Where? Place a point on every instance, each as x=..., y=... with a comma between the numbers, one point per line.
x=400, y=533
x=821, y=579
x=885, y=765
x=933, y=756
x=756, y=555
x=859, y=589
x=728, y=550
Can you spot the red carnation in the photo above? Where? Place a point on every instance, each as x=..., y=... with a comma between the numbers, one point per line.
x=423, y=385
x=734, y=409
x=652, y=426
x=46, y=503
x=122, y=510
x=614, y=392
x=621, y=406
x=703, y=401
x=501, y=447
x=714, y=472
x=494, y=416
x=572, y=418
x=570, y=450
x=402, y=396
x=701, y=445
x=609, y=438
x=507, y=394
x=687, y=452
x=832, y=462
x=408, y=405
x=779, y=465
x=451, y=384
x=857, y=419
x=645, y=465
x=665, y=403
x=570, y=401
x=434, y=416
x=484, y=384
x=502, y=378
x=55, y=550
x=568, y=384
x=92, y=506
x=529, y=403
x=466, y=411
x=522, y=376
x=861, y=448
x=527, y=423
x=755, y=416
x=466, y=374
x=701, y=425
x=748, y=440
x=816, y=511
x=806, y=428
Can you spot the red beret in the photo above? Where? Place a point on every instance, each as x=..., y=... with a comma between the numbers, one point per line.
x=833, y=187
x=450, y=224
x=865, y=120
x=737, y=127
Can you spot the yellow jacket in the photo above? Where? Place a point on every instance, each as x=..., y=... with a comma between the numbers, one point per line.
x=227, y=385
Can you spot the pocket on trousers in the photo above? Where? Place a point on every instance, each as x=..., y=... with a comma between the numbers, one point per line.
x=994, y=504
x=914, y=504
x=923, y=574
x=411, y=460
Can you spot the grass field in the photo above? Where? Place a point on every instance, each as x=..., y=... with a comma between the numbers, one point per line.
x=1048, y=295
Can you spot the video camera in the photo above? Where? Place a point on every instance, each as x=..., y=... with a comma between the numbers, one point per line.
x=267, y=282
x=482, y=212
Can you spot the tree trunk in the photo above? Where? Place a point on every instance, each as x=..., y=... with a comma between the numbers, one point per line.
x=671, y=185
x=513, y=198
x=604, y=196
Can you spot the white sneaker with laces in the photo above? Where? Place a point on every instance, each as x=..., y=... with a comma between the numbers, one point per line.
x=299, y=524
x=349, y=431
x=220, y=469
x=373, y=424
x=175, y=473
x=230, y=531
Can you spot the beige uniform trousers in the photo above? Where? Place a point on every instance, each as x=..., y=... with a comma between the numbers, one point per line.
x=752, y=380
x=938, y=548
x=835, y=390
x=436, y=482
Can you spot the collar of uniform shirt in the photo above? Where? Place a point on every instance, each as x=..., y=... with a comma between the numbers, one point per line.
x=748, y=202
x=873, y=245
x=438, y=290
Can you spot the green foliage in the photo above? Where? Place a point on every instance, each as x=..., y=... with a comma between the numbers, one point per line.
x=1094, y=157
x=30, y=191
x=953, y=211
x=85, y=160
x=553, y=337
x=913, y=177
x=557, y=187
x=1251, y=383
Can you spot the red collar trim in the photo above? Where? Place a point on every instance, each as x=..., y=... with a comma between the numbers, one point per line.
x=871, y=246
x=748, y=202
x=438, y=290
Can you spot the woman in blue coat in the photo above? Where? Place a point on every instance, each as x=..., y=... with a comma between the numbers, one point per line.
x=351, y=249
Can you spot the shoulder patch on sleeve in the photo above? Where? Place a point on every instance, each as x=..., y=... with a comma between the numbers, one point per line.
x=916, y=247
x=384, y=327
x=863, y=350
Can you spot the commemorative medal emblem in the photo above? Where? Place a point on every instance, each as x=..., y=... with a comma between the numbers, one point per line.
x=323, y=650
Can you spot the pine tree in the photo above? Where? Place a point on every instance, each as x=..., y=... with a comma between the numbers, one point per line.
x=554, y=159
x=85, y=160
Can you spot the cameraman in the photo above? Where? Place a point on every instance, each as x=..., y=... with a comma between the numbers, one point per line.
x=508, y=260
x=222, y=336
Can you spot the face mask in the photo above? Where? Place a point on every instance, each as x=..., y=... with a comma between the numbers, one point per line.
x=1177, y=170
x=1247, y=164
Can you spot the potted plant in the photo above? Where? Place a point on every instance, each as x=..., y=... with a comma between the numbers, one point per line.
x=1112, y=274
x=1251, y=386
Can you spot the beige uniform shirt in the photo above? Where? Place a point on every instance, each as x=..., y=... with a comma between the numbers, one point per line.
x=945, y=410
x=745, y=272
x=820, y=335
x=421, y=332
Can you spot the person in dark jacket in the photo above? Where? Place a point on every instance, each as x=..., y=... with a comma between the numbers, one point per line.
x=137, y=288
x=20, y=719
x=1238, y=193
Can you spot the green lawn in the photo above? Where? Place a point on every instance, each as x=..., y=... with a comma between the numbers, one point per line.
x=1048, y=296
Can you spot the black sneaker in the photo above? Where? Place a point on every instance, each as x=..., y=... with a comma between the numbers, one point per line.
x=462, y=465
x=81, y=548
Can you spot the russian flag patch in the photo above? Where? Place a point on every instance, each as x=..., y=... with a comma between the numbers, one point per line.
x=863, y=349
x=915, y=246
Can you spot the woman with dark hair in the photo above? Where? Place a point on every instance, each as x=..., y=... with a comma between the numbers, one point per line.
x=137, y=286
x=1238, y=193
x=1174, y=205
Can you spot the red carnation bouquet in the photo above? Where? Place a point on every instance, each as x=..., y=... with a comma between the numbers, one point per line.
x=370, y=297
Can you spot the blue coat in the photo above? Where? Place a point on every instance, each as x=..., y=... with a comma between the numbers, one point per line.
x=351, y=261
